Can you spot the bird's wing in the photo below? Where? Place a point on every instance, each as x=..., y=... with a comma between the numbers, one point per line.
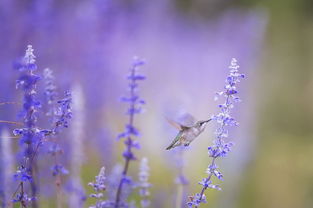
x=175, y=140
x=187, y=119
x=177, y=125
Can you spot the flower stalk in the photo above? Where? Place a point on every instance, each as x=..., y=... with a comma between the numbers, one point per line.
x=134, y=108
x=221, y=146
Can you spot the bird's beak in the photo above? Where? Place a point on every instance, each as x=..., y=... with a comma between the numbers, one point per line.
x=207, y=121
x=203, y=122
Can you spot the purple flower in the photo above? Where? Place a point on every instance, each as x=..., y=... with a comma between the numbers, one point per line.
x=50, y=91
x=99, y=187
x=221, y=147
x=6, y=167
x=135, y=103
x=196, y=200
x=129, y=155
x=50, y=88
x=28, y=61
x=143, y=184
x=60, y=112
x=31, y=136
x=77, y=157
x=24, y=199
x=99, y=184
x=55, y=149
x=59, y=169
x=64, y=112
x=22, y=174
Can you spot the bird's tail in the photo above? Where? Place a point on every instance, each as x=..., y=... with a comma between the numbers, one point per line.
x=170, y=147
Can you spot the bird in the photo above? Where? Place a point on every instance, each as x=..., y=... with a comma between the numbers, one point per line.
x=186, y=134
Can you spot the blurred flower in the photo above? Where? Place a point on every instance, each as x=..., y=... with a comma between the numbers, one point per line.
x=99, y=187
x=179, y=162
x=24, y=199
x=77, y=193
x=50, y=91
x=220, y=147
x=196, y=200
x=59, y=115
x=180, y=179
x=28, y=61
x=30, y=135
x=144, y=185
x=59, y=169
x=135, y=103
x=113, y=181
x=6, y=167
x=64, y=112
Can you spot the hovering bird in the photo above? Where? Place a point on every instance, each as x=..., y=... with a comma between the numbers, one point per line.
x=186, y=134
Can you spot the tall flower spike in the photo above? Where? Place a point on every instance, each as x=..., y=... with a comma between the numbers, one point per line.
x=56, y=113
x=64, y=112
x=50, y=88
x=130, y=131
x=77, y=195
x=99, y=187
x=30, y=135
x=28, y=61
x=6, y=168
x=220, y=147
x=62, y=115
x=180, y=179
x=144, y=185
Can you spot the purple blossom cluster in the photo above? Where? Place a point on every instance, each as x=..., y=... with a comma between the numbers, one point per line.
x=144, y=184
x=60, y=112
x=99, y=187
x=31, y=136
x=63, y=113
x=135, y=103
x=112, y=191
x=56, y=146
x=221, y=146
x=125, y=182
x=50, y=91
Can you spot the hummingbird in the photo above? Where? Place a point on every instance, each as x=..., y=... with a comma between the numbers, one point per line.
x=186, y=134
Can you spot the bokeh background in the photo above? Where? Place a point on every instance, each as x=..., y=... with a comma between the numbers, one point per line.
x=188, y=45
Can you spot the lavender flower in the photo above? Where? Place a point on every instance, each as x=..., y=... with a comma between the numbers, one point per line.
x=64, y=112
x=180, y=179
x=50, y=88
x=61, y=116
x=24, y=199
x=130, y=131
x=50, y=91
x=179, y=162
x=221, y=147
x=112, y=185
x=6, y=167
x=30, y=135
x=99, y=187
x=58, y=115
x=77, y=193
x=144, y=185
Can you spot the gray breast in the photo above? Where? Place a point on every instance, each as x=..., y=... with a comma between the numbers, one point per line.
x=191, y=134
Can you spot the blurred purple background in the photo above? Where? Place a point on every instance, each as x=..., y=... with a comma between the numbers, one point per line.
x=90, y=45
